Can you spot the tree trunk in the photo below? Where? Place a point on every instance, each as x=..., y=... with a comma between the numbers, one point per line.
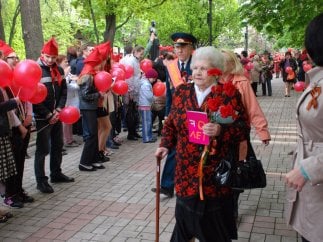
x=13, y=25
x=2, y=33
x=31, y=28
x=94, y=22
x=110, y=28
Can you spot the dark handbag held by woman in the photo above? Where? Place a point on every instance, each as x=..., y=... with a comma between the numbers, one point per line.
x=245, y=174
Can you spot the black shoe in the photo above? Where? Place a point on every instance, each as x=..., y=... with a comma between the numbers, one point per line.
x=44, y=187
x=151, y=141
x=168, y=192
x=86, y=168
x=98, y=166
x=116, y=143
x=114, y=147
x=102, y=158
x=131, y=138
x=13, y=202
x=61, y=178
x=25, y=198
x=138, y=136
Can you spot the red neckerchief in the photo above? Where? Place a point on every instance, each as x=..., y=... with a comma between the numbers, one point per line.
x=54, y=72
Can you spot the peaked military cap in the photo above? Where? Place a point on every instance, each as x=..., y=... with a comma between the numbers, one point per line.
x=183, y=39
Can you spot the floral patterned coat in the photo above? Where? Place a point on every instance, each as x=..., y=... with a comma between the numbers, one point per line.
x=188, y=155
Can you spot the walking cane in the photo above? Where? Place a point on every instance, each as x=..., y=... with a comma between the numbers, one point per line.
x=157, y=197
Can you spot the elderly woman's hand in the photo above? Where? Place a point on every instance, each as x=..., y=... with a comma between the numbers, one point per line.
x=212, y=129
x=161, y=152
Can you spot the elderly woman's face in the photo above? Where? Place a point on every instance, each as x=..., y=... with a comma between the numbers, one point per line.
x=200, y=77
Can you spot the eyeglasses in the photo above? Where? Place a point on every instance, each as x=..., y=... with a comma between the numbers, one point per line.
x=13, y=57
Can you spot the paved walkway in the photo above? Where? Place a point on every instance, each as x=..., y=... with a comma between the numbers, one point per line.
x=116, y=204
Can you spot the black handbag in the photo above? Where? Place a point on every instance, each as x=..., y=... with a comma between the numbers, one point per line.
x=245, y=174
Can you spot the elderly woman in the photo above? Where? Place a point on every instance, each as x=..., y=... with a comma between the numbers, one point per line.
x=255, y=73
x=204, y=209
x=305, y=207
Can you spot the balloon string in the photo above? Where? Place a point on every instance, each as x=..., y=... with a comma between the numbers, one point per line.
x=21, y=111
x=18, y=92
x=38, y=131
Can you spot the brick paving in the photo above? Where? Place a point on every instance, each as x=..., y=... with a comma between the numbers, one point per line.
x=116, y=204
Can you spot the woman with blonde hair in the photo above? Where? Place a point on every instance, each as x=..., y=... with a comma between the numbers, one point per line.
x=233, y=72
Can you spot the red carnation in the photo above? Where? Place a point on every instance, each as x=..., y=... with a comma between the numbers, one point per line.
x=214, y=103
x=226, y=111
x=217, y=89
x=229, y=89
x=214, y=72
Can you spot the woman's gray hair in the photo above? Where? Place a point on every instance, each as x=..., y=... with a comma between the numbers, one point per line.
x=210, y=54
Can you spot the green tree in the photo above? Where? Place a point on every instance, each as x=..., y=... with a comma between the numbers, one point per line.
x=284, y=21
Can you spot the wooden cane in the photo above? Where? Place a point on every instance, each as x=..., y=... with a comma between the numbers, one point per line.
x=157, y=197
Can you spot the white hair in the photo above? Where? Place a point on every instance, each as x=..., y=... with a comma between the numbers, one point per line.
x=209, y=54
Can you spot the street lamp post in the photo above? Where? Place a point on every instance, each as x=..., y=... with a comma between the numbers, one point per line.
x=209, y=20
x=246, y=38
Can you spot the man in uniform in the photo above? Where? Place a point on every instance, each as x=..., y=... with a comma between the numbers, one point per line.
x=178, y=72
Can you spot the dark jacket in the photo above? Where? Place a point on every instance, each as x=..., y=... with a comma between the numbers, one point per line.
x=5, y=106
x=56, y=94
x=292, y=64
x=89, y=95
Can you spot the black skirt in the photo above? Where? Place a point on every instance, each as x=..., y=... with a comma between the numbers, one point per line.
x=209, y=220
x=7, y=162
x=102, y=112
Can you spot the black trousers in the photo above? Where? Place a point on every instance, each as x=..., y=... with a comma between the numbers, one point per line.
x=132, y=118
x=160, y=114
x=90, y=137
x=49, y=141
x=208, y=220
x=19, y=148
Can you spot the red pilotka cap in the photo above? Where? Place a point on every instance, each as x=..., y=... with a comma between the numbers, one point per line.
x=94, y=58
x=50, y=47
x=104, y=50
x=5, y=48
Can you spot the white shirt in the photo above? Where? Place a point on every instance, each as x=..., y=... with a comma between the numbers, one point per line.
x=200, y=95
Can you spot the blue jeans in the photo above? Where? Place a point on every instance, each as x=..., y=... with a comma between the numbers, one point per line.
x=90, y=137
x=147, y=129
x=168, y=175
x=49, y=141
x=267, y=82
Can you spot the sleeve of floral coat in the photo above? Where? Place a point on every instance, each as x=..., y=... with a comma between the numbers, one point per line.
x=169, y=131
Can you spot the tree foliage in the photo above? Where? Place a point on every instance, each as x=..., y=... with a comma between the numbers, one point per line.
x=283, y=20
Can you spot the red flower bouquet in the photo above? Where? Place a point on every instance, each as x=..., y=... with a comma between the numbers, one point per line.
x=222, y=106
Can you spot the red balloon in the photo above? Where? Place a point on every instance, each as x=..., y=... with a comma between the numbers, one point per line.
x=288, y=70
x=120, y=87
x=103, y=81
x=118, y=74
x=249, y=66
x=146, y=65
x=6, y=74
x=307, y=67
x=128, y=71
x=118, y=65
x=27, y=73
x=69, y=115
x=159, y=89
x=40, y=94
x=24, y=93
x=299, y=86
